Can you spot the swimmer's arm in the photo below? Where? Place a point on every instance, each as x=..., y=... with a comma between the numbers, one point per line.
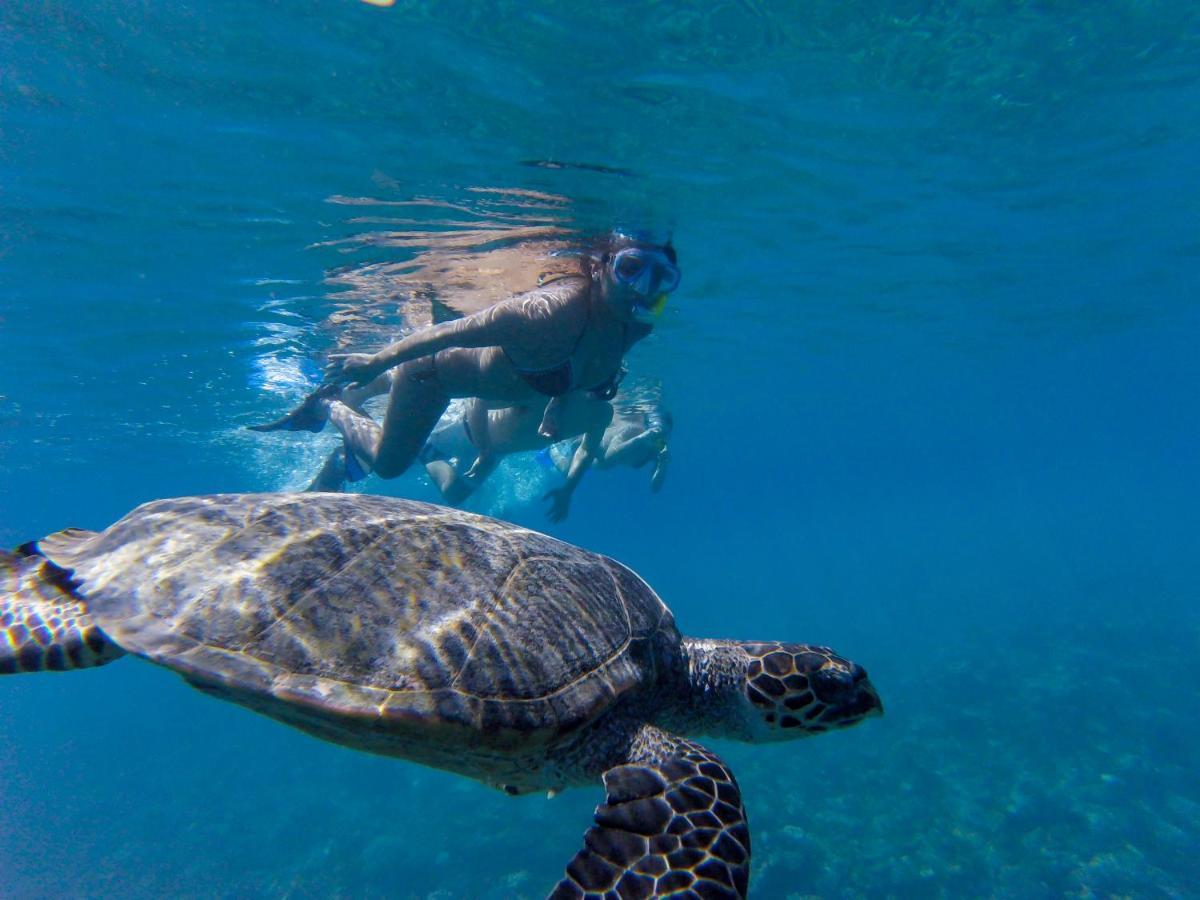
x=486, y=328
x=659, y=475
x=508, y=322
x=619, y=449
x=630, y=450
x=581, y=461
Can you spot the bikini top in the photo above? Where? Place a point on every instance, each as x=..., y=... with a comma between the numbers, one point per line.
x=556, y=380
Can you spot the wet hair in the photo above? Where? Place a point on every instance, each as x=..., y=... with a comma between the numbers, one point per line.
x=597, y=252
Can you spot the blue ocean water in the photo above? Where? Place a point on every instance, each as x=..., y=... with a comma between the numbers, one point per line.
x=932, y=365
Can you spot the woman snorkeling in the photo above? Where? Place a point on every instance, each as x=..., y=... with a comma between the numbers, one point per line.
x=570, y=334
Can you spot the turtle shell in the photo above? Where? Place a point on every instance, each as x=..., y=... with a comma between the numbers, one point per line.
x=375, y=612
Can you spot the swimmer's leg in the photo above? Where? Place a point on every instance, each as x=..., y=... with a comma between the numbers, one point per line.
x=478, y=428
x=332, y=477
x=454, y=487
x=421, y=391
x=416, y=403
x=313, y=411
x=360, y=437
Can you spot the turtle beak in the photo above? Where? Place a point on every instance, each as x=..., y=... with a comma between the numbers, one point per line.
x=866, y=700
x=849, y=692
x=874, y=706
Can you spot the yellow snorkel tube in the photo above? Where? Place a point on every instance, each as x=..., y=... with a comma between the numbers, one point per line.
x=649, y=311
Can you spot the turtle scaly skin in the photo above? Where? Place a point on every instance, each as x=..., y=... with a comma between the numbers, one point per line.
x=43, y=626
x=449, y=639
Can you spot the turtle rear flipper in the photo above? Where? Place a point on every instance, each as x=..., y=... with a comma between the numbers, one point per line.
x=58, y=545
x=44, y=625
x=673, y=822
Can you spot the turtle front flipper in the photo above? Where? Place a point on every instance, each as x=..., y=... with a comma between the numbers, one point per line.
x=673, y=821
x=43, y=624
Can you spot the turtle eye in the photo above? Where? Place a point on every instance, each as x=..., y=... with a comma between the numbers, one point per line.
x=833, y=685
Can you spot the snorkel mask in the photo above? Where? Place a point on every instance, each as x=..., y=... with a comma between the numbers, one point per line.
x=650, y=273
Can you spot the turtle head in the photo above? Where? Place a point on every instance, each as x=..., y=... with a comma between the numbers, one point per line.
x=794, y=690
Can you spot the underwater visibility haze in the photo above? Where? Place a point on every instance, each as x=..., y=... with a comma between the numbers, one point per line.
x=932, y=367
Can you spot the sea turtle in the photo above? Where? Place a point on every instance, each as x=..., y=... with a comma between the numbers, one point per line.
x=446, y=638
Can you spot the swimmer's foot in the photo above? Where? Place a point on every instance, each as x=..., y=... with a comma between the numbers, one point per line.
x=310, y=415
x=332, y=477
x=454, y=489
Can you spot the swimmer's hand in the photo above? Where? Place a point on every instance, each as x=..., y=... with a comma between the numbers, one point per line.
x=549, y=427
x=482, y=463
x=560, y=503
x=353, y=368
x=660, y=471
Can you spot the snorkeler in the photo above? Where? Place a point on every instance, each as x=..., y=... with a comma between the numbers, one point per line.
x=516, y=429
x=459, y=456
x=635, y=438
x=570, y=334
x=595, y=432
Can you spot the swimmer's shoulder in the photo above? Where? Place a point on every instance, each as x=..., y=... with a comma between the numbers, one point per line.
x=556, y=298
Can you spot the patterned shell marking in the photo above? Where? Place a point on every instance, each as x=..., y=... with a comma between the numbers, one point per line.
x=386, y=610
